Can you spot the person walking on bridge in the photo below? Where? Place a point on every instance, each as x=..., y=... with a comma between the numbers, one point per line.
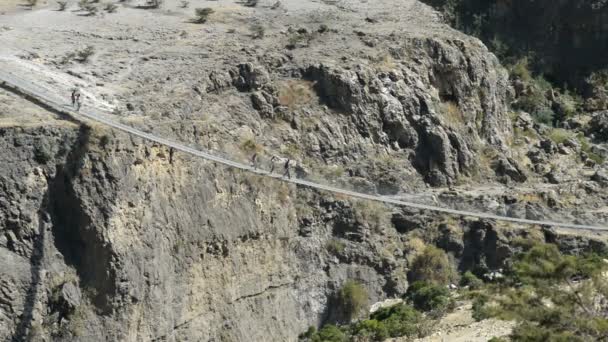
x=78, y=101
x=286, y=171
x=74, y=96
x=254, y=160
x=272, y=163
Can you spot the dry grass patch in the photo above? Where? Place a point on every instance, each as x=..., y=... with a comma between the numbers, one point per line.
x=452, y=113
x=559, y=135
x=283, y=193
x=376, y=214
x=251, y=146
x=296, y=93
x=385, y=63
x=529, y=198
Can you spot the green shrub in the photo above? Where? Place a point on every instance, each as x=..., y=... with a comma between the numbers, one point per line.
x=586, y=147
x=480, y=311
x=42, y=153
x=371, y=329
x=559, y=135
x=543, y=116
x=497, y=339
x=433, y=266
x=329, y=333
x=429, y=297
x=532, y=332
x=400, y=320
x=310, y=332
x=469, y=279
x=521, y=70
x=595, y=157
x=353, y=298
x=542, y=275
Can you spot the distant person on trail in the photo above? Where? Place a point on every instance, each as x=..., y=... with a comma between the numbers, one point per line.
x=254, y=161
x=74, y=96
x=286, y=172
x=78, y=102
x=272, y=161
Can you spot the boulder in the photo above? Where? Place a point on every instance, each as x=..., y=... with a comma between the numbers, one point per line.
x=598, y=126
x=508, y=167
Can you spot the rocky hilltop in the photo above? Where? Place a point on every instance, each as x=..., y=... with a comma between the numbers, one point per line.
x=107, y=237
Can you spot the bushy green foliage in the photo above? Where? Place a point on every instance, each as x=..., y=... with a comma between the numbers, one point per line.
x=395, y=321
x=310, y=332
x=559, y=135
x=469, y=279
x=371, y=329
x=429, y=297
x=532, y=332
x=353, y=298
x=329, y=333
x=399, y=320
x=433, y=266
x=540, y=289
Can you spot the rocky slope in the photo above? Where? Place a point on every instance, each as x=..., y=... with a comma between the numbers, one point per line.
x=106, y=237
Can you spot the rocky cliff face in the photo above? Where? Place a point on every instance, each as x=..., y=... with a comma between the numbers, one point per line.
x=109, y=238
x=566, y=39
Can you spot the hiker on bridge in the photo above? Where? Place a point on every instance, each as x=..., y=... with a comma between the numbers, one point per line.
x=254, y=160
x=78, y=101
x=74, y=91
x=272, y=163
x=286, y=171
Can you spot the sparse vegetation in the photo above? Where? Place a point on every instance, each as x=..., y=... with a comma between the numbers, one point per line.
x=250, y=146
x=335, y=246
x=329, y=333
x=88, y=7
x=554, y=296
x=430, y=297
x=83, y=55
x=452, y=113
x=353, y=298
x=110, y=8
x=257, y=31
x=42, y=153
x=296, y=93
x=250, y=3
x=433, y=266
x=385, y=62
x=375, y=214
x=202, y=15
x=154, y=3
x=471, y=280
x=559, y=135
x=62, y=5
x=395, y=321
x=586, y=147
x=184, y=4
